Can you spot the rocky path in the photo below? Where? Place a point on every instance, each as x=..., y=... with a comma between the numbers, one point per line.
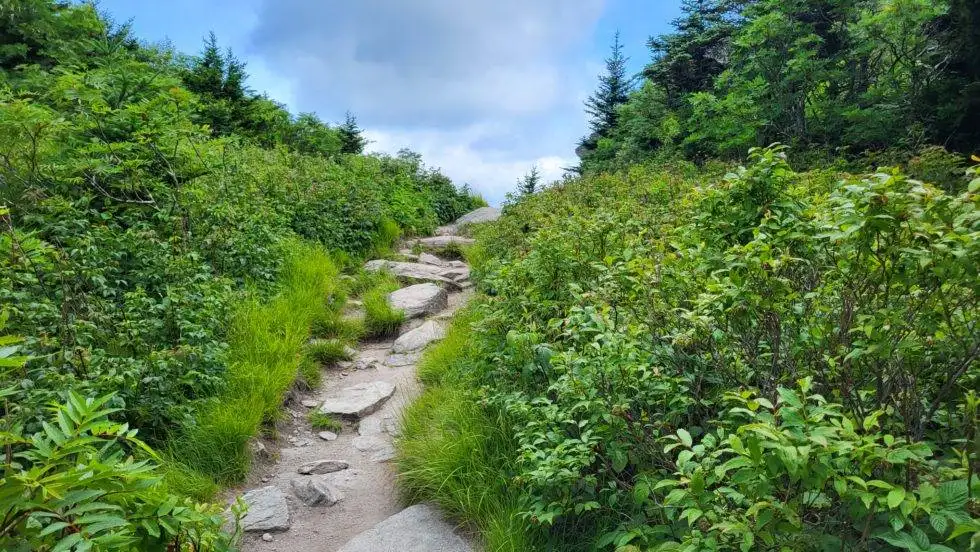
x=321, y=491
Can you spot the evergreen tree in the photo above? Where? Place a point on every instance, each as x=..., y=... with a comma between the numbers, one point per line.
x=613, y=91
x=530, y=182
x=351, y=138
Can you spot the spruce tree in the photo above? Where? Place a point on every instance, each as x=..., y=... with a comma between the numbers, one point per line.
x=613, y=91
x=602, y=106
x=351, y=140
x=529, y=183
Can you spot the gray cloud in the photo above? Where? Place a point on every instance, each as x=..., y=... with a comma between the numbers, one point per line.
x=482, y=88
x=435, y=62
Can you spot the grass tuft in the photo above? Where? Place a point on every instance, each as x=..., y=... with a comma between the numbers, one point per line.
x=322, y=421
x=265, y=340
x=327, y=351
x=456, y=452
x=380, y=319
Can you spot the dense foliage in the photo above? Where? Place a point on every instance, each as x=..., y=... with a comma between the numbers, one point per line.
x=831, y=75
x=164, y=241
x=758, y=360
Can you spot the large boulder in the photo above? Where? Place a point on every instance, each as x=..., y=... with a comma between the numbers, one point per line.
x=418, y=272
x=418, y=338
x=267, y=510
x=358, y=400
x=419, y=528
x=419, y=300
x=483, y=214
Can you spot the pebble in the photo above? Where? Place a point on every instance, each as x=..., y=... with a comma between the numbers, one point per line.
x=309, y=403
x=267, y=537
x=266, y=479
x=327, y=435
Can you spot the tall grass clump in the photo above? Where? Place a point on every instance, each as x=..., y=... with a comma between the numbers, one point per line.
x=265, y=342
x=380, y=319
x=456, y=452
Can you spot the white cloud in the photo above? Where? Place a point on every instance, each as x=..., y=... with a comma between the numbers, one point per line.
x=455, y=152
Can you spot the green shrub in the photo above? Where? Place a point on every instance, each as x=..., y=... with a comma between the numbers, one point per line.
x=78, y=485
x=310, y=374
x=635, y=323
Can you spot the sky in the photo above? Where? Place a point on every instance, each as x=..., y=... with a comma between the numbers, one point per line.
x=483, y=89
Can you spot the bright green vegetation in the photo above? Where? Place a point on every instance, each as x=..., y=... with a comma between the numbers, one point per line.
x=169, y=241
x=319, y=420
x=327, y=351
x=457, y=453
x=683, y=358
x=380, y=319
x=831, y=78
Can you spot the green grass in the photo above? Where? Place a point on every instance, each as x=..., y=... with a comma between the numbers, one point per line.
x=455, y=452
x=384, y=238
x=321, y=421
x=327, y=351
x=380, y=319
x=265, y=343
x=310, y=374
x=334, y=325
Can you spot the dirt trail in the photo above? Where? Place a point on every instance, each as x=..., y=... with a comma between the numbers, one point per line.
x=368, y=487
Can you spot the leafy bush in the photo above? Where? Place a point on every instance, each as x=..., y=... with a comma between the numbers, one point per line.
x=757, y=359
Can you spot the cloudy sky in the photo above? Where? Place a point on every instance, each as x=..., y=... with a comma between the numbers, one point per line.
x=483, y=89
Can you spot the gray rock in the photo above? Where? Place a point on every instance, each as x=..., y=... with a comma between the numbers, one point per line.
x=322, y=466
x=378, y=424
x=327, y=435
x=417, y=339
x=358, y=400
x=419, y=528
x=417, y=272
x=442, y=242
x=456, y=274
x=419, y=300
x=380, y=449
x=267, y=510
x=399, y=361
x=267, y=537
x=314, y=491
x=458, y=264
x=259, y=449
x=483, y=214
x=430, y=259
x=309, y=403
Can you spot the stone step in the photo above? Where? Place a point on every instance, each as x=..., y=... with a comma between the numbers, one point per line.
x=419, y=300
x=419, y=338
x=359, y=400
x=436, y=243
x=419, y=272
x=419, y=528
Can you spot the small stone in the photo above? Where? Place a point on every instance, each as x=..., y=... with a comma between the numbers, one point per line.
x=309, y=403
x=259, y=449
x=327, y=435
x=322, y=466
x=267, y=537
x=386, y=454
x=344, y=374
x=266, y=479
x=314, y=491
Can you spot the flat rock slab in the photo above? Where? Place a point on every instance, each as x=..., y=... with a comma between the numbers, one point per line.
x=417, y=272
x=419, y=300
x=400, y=361
x=417, y=339
x=358, y=400
x=419, y=528
x=442, y=242
x=378, y=424
x=267, y=510
x=322, y=466
x=430, y=259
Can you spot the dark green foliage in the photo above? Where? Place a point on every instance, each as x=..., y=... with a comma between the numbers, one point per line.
x=351, y=140
x=602, y=106
x=530, y=183
x=840, y=75
x=751, y=359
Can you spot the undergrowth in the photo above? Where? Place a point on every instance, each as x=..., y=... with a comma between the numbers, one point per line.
x=265, y=344
x=319, y=420
x=380, y=319
x=455, y=452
